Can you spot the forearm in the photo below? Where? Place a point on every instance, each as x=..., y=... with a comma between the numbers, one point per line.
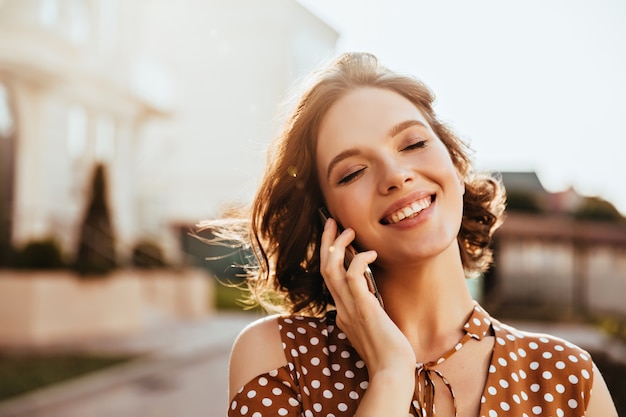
x=389, y=394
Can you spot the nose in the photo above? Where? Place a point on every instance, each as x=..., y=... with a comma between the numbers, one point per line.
x=394, y=176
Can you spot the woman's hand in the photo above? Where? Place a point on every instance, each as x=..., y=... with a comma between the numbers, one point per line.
x=386, y=351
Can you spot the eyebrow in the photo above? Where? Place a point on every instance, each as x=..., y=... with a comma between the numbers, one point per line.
x=395, y=130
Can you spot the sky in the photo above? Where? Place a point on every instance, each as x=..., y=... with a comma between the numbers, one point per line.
x=530, y=85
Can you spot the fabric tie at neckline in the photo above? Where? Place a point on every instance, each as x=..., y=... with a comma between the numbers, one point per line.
x=477, y=327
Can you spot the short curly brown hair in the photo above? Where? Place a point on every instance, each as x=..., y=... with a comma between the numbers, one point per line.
x=284, y=224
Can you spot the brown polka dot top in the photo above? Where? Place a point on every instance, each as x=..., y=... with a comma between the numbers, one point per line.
x=529, y=375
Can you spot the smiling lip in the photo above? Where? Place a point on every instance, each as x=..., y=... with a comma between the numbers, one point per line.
x=409, y=210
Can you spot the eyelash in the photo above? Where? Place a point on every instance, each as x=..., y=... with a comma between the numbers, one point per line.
x=416, y=145
x=353, y=175
x=350, y=177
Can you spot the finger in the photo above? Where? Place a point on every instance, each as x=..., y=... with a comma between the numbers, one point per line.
x=356, y=277
x=332, y=253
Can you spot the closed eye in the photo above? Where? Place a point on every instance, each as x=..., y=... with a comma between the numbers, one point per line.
x=415, y=145
x=346, y=179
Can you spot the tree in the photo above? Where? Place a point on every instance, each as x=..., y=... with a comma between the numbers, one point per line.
x=96, y=247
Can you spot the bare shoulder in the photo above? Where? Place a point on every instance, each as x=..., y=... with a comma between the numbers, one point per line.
x=600, y=402
x=257, y=350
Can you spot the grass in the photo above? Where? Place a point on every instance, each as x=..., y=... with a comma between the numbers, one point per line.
x=22, y=374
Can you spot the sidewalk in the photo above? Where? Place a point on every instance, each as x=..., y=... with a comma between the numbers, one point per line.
x=166, y=349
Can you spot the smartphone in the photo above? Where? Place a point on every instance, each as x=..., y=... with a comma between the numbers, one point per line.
x=350, y=253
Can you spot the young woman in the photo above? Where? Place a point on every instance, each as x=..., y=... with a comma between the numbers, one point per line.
x=365, y=143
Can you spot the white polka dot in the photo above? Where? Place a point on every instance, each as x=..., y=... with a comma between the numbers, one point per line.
x=282, y=412
x=308, y=413
x=342, y=407
x=535, y=387
x=476, y=321
x=233, y=405
x=301, y=330
x=573, y=358
x=547, y=375
x=339, y=385
x=315, y=361
x=501, y=341
x=533, y=345
x=315, y=383
x=492, y=390
x=273, y=373
x=515, y=377
x=244, y=410
x=517, y=399
x=263, y=381
x=547, y=355
x=314, y=341
x=521, y=352
x=354, y=395
x=359, y=364
x=341, y=336
x=534, y=366
x=584, y=357
x=345, y=354
x=303, y=349
x=572, y=403
x=293, y=402
x=326, y=371
x=336, y=367
x=504, y=383
x=524, y=395
x=559, y=348
x=349, y=374
x=327, y=394
x=510, y=337
x=266, y=402
x=522, y=374
x=492, y=369
x=251, y=393
x=257, y=414
x=544, y=339
x=560, y=388
x=560, y=365
x=294, y=353
x=505, y=406
x=585, y=374
x=317, y=407
x=502, y=361
x=560, y=413
x=513, y=356
x=291, y=335
x=332, y=348
x=277, y=391
x=492, y=413
x=364, y=385
x=537, y=410
x=548, y=397
x=573, y=379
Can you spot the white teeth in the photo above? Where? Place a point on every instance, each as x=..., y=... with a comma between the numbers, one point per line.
x=410, y=210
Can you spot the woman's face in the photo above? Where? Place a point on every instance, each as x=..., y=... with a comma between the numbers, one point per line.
x=384, y=173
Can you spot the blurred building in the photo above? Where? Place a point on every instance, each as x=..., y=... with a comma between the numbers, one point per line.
x=69, y=101
x=177, y=99
x=561, y=250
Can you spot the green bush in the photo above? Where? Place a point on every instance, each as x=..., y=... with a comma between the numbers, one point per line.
x=43, y=254
x=148, y=255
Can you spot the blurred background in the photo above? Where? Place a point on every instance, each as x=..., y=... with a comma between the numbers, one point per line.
x=125, y=123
